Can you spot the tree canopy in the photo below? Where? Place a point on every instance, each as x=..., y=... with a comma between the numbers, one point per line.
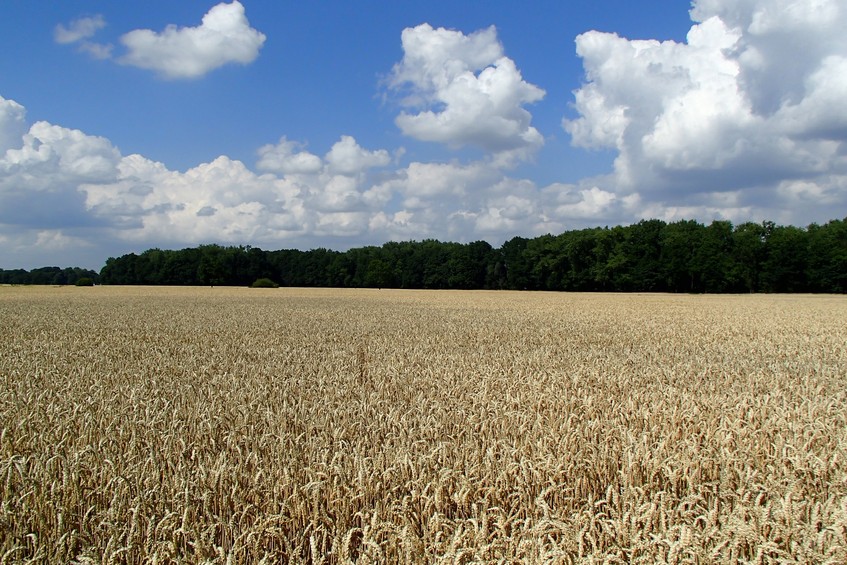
x=47, y=275
x=650, y=256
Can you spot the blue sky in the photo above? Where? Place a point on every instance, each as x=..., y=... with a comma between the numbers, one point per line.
x=125, y=126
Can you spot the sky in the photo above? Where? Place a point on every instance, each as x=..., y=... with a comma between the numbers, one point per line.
x=126, y=126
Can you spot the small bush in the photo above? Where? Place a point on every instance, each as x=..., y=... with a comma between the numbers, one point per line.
x=264, y=283
x=84, y=281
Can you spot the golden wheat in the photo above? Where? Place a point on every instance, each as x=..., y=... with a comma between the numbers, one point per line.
x=329, y=426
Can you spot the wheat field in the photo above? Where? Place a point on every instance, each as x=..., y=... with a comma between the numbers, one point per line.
x=228, y=425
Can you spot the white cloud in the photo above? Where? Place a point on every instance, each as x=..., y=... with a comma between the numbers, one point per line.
x=96, y=50
x=284, y=158
x=827, y=193
x=586, y=203
x=341, y=224
x=822, y=112
x=56, y=240
x=218, y=201
x=12, y=125
x=60, y=156
x=90, y=199
x=300, y=195
x=82, y=190
x=464, y=91
x=347, y=158
x=476, y=200
x=706, y=128
x=223, y=37
x=754, y=100
x=426, y=183
x=42, y=169
x=78, y=29
x=782, y=43
x=509, y=207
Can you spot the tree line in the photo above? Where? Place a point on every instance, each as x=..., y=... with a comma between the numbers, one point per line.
x=650, y=256
x=47, y=275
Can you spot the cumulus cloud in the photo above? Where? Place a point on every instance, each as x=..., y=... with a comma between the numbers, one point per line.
x=753, y=102
x=42, y=168
x=433, y=199
x=463, y=90
x=63, y=189
x=96, y=50
x=49, y=164
x=226, y=202
x=218, y=201
x=78, y=29
x=60, y=186
x=55, y=151
x=782, y=43
x=298, y=195
x=223, y=37
x=12, y=124
x=333, y=184
x=347, y=158
x=284, y=158
x=467, y=201
x=705, y=128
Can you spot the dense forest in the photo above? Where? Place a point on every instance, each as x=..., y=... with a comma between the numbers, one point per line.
x=650, y=256
x=47, y=275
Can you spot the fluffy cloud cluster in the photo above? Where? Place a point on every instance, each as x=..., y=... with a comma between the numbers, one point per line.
x=224, y=36
x=466, y=90
x=83, y=192
x=42, y=166
x=217, y=201
x=79, y=29
x=745, y=120
x=738, y=121
x=12, y=124
x=41, y=171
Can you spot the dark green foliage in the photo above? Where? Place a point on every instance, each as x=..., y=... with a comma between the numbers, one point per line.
x=650, y=256
x=826, y=270
x=47, y=275
x=679, y=242
x=85, y=281
x=264, y=283
x=713, y=258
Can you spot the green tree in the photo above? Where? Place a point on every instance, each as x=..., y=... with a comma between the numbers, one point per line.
x=679, y=244
x=579, y=252
x=713, y=258
x=378, y=274
x=748, y=245
x=516, y=265
x=212, y=269
x=827, y=262
x=785, y=264
x=609, y=259
x=544, y=258
x=264, y=283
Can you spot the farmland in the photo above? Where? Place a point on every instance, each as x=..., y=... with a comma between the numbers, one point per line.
x=167, y=424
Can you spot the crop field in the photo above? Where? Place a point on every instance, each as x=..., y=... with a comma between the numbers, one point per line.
x=236, y=425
